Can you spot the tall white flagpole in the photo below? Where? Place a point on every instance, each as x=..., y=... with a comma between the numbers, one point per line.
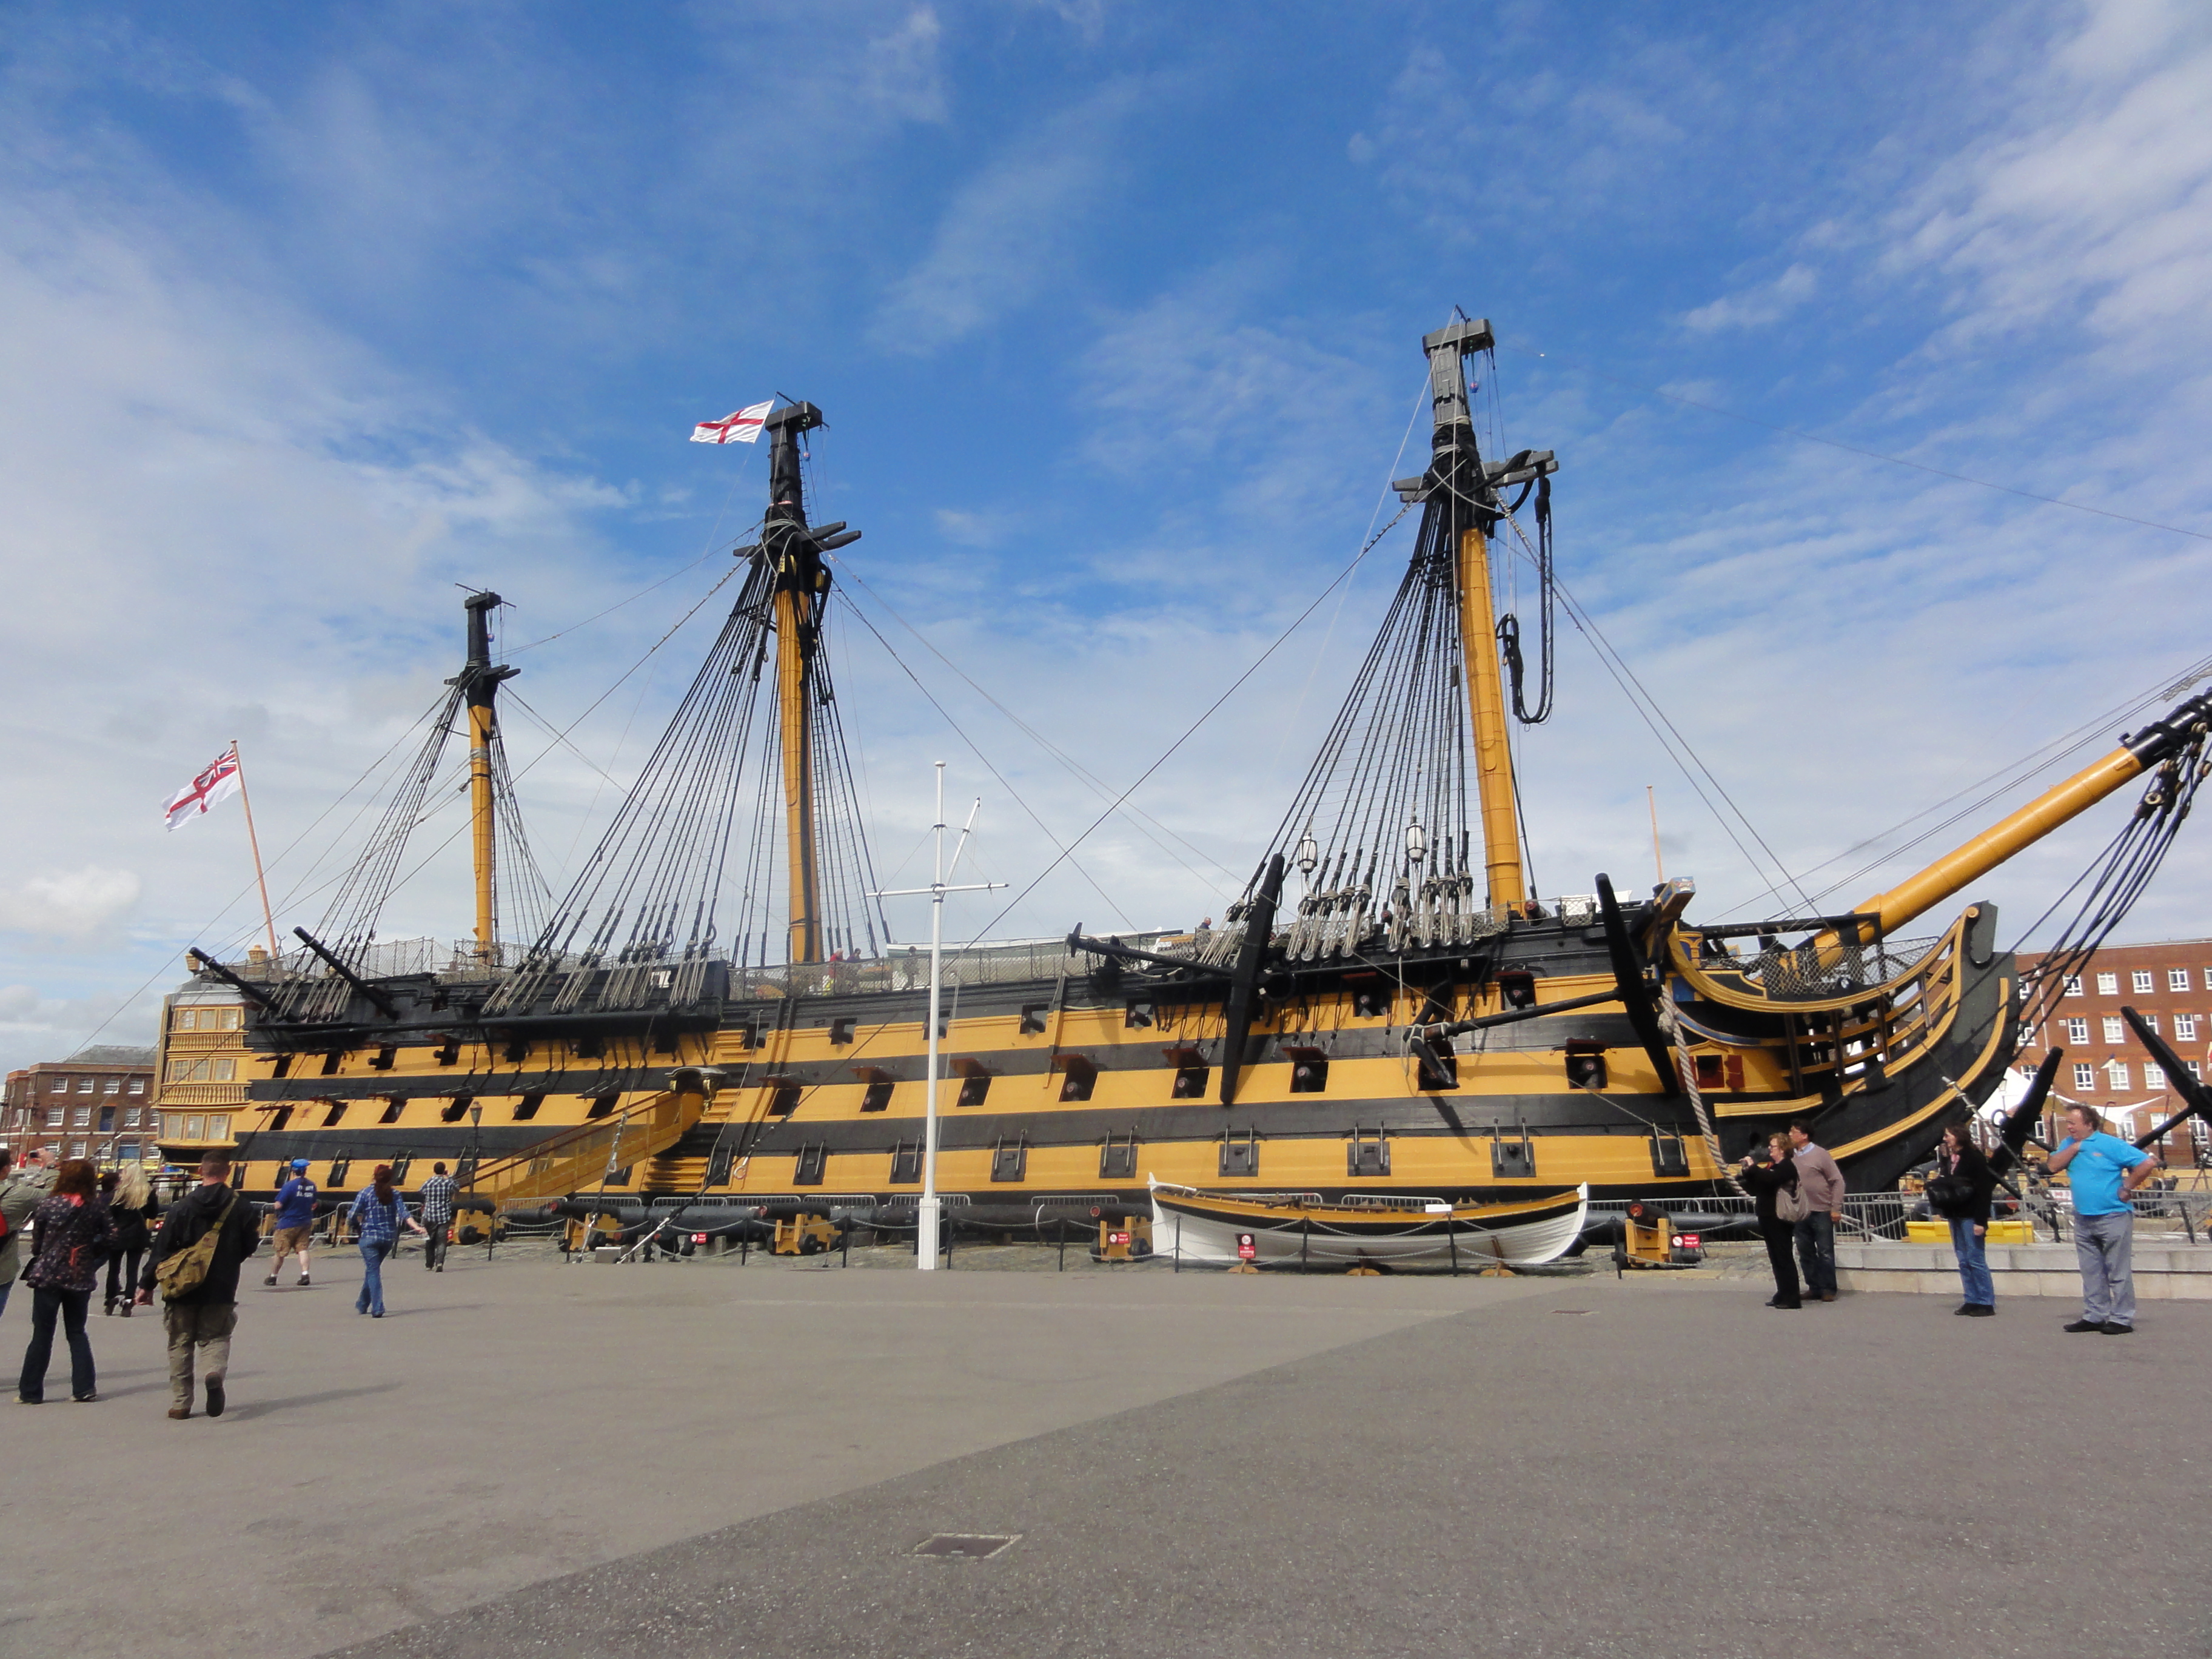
x=268, y=919
x=926, y=1220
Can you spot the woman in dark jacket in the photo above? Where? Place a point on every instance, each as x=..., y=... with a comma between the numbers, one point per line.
x=1763, y=1180
x=130, y=1201
x=74, y=1236
x=1964, y=1186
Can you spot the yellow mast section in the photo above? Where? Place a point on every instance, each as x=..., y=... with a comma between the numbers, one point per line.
x=793, y=621
x=1486, y=697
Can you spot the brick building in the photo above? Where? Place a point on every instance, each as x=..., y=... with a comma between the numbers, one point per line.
x=98, y=1104
x=2170, y=985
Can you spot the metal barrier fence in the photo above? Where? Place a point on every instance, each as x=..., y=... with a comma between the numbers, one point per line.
x=2163, y=1214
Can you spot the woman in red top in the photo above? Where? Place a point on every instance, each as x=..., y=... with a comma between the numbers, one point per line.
x=75, y=1235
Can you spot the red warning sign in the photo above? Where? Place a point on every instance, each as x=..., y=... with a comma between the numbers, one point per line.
x=1246, y=1248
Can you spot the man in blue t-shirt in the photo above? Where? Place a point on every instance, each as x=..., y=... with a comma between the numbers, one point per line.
x=295, y=1213
x=2104, y=1172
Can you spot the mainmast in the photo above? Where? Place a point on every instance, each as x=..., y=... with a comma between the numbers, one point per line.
x=793, y=554
x=479, y=681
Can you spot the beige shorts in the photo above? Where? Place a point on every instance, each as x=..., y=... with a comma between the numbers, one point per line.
x=289, y=1239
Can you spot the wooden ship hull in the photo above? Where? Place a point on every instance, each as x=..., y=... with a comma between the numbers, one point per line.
x=1413, y=1024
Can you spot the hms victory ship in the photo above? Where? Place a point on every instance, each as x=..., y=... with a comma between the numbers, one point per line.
x=1388, y=1025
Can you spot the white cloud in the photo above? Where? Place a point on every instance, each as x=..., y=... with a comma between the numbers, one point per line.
x=69, y=903
x=1756, y=306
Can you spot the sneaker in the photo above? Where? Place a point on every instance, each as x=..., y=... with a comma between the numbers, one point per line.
x=1779, y=1303
x=1979, y=1310
x=1827, y=1296
x=2110, y=1328
x=84, y=1398
x=2081, y=1325
x=270, y=1281
x=1964, y=1308
x=180, y=1412
x=215, y=1398
x=304, y=1281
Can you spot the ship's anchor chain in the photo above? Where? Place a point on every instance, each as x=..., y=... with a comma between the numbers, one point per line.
x=1687, y=1067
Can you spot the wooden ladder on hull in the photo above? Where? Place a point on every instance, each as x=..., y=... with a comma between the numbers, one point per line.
x=575, y=1159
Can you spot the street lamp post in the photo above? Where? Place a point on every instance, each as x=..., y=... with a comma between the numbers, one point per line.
x=926, y=1220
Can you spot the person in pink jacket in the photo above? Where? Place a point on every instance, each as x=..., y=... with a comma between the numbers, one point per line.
x=1816, y=1234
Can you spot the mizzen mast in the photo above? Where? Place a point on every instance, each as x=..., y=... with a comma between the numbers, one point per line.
x=479, y=683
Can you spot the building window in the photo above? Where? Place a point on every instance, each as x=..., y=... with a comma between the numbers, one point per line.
x=230, y=1019
x=113, y=1086
x=2085, y=1078
x=138, y=1086
x=2108, y=985
x=193, y=1126
x=131, y=1116
x=2177, y=978
x=2141, y=980
x=85, y=1085
x=2193, y=1071
x=2116, y=1071
x=2150, y=1021
x=80, y=1118
x=2185, y=1028
x=76, y=1149
x=2154, y=1075
x=127, y=1152
x=59, y=1086
x=2077, y=1030
x=2112, y=1033
x=55, y=1116
x=2074, y=985
x=2208, y=979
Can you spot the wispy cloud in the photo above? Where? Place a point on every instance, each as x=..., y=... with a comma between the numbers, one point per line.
x=1005, y=238
x=1756, y=306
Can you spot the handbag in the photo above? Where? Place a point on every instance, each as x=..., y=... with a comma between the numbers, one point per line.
x=180, y=1274
x=1950, y=1195
x=1791, y=1204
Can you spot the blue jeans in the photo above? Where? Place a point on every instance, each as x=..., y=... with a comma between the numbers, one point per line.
x=1973, y=1265
x=1816, y=1252
x=68, y=1307
x=371, y=1299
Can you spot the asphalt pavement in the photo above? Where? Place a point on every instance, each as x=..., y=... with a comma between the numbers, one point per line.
x=704, y=1460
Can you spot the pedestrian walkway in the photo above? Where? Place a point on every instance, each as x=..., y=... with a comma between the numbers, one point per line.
x=703, y=1459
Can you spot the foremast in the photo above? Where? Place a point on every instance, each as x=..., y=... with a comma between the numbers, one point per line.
x=1456, y=475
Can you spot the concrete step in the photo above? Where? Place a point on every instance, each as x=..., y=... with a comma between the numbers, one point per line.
x=2177, y=1271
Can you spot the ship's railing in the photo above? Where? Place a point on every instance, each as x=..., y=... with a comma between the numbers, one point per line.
x=2174, y=1213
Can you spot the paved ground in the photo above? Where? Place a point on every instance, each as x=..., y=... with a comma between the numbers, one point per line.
x=701, y=1460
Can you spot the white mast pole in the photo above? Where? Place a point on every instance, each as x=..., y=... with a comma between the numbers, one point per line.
x=926, y=1218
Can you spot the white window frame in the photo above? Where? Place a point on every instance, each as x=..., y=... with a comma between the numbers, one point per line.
x=2085, y=1077
x=2185, y=1028
x=2142, y=982
x=2154, y=1075
x=2108, y=985
x=2077, y=1030
x=2112, y=1031
x=2177, y=978
x=2117, y=1070
x=2074, y=984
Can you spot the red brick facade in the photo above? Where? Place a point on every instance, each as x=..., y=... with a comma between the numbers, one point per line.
x=2170, y=985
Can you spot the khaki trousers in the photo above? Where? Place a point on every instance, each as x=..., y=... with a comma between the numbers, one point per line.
x=190, y=1325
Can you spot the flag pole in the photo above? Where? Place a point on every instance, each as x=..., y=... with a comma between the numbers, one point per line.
x=268, y=919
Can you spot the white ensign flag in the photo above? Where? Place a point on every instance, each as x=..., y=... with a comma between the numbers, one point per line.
x=742, y=427
x=217, y=783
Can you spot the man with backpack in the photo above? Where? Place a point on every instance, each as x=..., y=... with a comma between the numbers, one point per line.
x=205, y=1237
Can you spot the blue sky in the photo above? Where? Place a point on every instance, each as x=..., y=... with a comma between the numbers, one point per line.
x=307, y=313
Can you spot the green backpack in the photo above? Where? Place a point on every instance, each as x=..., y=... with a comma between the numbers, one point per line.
x=180, y=1274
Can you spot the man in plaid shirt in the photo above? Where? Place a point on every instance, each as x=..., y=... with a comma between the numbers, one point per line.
x=437, y=1197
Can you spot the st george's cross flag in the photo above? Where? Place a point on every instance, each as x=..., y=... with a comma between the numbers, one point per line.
x=742, y=427
x=218, y=782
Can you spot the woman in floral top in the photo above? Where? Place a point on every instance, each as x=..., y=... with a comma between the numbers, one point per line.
x=76, y=1234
